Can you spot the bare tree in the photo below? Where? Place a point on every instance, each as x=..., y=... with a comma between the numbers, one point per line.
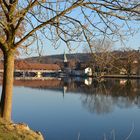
x=101, y=55
x=56, y=21
x=127, y=61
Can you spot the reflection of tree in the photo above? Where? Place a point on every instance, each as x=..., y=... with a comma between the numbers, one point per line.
x=98, y=103
x=111, y=94
x=101, y=104
x=40, y=84
x=123, y=102
x=100, y=97
x=137, y=101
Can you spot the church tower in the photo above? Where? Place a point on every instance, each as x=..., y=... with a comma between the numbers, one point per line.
x=65, y=60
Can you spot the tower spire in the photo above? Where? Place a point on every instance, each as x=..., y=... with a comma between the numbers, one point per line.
x=65, y=57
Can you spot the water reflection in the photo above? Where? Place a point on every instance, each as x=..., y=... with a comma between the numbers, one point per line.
x=97, y=96
x=77, y=105
x=103, y=97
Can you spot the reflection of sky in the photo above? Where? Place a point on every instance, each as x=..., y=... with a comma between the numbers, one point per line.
x=63, y=118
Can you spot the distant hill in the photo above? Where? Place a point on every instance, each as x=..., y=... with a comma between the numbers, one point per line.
x=83, y=57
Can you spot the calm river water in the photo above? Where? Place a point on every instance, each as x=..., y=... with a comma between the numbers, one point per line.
x=79, y=109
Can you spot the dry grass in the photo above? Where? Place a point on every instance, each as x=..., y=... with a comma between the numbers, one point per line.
x=11, y=131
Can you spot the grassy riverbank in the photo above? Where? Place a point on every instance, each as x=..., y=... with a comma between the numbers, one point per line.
x=11, y=131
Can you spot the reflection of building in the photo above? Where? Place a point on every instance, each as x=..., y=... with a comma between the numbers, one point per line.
x=99, y=97
x=123, y=81
x=88, y=81
x=64, y=90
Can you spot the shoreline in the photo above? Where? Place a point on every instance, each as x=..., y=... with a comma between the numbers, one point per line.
x=19, y=131
x=122, y=76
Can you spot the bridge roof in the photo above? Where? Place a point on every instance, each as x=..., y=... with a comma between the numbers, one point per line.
x=24, y=65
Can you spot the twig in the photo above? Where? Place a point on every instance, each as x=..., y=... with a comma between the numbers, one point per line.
x=78, y=138
x=130, y=132
x=113, y=134
x=105, y=137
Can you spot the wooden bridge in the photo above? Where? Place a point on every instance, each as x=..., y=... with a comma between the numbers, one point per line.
x=33, y=74
x=27, y=70
x=34, y=71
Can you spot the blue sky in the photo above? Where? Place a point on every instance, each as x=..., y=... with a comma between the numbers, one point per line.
x=131, y=41
x=48, y=49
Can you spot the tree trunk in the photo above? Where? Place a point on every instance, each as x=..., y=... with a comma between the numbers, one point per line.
x=7, y=87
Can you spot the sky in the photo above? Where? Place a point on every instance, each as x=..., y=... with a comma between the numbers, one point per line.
x=48, y=49
x=132, y=41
